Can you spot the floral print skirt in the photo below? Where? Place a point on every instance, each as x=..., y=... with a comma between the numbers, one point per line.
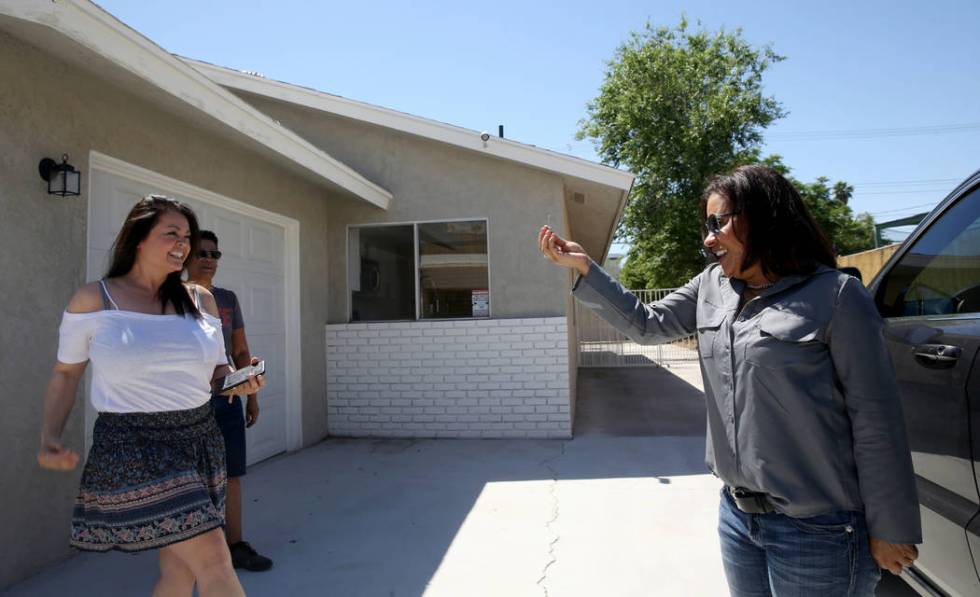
x=151, y=479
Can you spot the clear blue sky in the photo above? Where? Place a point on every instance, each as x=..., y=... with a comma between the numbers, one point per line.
x=533, y=66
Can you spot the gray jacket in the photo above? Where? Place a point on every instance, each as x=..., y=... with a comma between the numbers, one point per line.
x=801, y=395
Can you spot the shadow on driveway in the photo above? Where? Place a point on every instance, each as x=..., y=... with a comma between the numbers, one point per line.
x=632, y=512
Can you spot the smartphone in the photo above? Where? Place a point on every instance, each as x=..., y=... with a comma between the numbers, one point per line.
x=237, y=378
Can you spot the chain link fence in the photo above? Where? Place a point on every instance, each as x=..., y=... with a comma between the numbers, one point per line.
x=601, y=345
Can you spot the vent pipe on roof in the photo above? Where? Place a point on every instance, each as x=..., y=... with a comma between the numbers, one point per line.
x=500, y=131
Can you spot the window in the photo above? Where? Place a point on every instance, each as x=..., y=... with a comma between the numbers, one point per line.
x=381, y=278
x=448, y=279
x=453, y=270
x=940, y=274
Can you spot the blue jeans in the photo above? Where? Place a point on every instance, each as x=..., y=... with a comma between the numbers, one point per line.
x=777, y=555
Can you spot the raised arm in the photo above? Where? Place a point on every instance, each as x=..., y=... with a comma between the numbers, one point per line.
x=672, y=317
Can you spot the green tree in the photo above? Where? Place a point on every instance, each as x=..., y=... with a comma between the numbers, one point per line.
x=677, y=106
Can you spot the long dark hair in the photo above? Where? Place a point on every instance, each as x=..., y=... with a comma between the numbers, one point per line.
x=141, y=219
x=777, y=228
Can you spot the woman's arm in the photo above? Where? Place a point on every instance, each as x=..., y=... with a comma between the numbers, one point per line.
x=881, y=451
x=58, y=402
x=59, y=397
x=674, y=316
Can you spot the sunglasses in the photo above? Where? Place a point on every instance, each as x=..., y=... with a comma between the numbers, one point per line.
x=205, y=254
x=715, y=222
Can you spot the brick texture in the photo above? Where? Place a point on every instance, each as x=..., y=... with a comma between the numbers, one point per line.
x=492, y=378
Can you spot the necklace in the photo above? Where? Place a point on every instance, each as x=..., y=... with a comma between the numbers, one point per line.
x=760, y=286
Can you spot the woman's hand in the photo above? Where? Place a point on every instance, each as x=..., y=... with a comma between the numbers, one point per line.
x=563, y=252
x=893, y=556
x=53, y=455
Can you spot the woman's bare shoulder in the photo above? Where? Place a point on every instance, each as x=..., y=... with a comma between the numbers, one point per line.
x=208, y=304
x=87, y=299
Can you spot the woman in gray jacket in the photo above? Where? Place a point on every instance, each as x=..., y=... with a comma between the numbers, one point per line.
x=805, y=426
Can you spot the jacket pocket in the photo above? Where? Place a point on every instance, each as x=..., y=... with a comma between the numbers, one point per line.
x=710, y=321
x=786, y=339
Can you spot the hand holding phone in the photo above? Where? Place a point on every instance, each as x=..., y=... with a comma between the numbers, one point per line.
x=237, y=378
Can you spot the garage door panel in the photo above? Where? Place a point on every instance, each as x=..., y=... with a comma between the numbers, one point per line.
x=264, y=439
x=265, y=245
x=108, y=221
x=231, y=234
x=100, y=264
x=271, y=348
x=265, y=300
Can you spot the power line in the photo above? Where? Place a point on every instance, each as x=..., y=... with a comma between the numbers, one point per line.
x=907, y=182
x=874, y=133
x=898, y=192
x=908, y=208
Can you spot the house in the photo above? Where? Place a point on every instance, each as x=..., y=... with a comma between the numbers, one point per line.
x=386, y=264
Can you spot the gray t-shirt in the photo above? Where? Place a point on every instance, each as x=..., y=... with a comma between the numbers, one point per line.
x=231, y=316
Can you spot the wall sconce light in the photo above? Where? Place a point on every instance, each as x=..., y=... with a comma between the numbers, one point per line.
x=63, y=179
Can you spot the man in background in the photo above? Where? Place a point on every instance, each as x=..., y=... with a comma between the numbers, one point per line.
x=201, y=269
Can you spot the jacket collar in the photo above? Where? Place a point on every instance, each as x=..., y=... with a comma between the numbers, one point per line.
x=732, y=287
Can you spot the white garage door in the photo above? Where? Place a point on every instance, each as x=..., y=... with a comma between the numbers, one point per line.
x=253, y=265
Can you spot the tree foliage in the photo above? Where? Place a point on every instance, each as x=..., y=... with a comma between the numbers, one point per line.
x=677, y=107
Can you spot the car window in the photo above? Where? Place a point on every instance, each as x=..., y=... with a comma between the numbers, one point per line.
x=940, y=274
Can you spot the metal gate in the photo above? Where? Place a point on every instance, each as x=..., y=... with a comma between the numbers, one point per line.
x=601, y=345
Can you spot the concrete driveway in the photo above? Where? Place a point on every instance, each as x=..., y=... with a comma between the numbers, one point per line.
x=626, y=508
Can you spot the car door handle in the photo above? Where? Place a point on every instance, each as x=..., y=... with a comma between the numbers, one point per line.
x=938, y=354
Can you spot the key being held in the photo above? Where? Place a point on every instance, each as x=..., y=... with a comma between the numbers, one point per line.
x=563, y=252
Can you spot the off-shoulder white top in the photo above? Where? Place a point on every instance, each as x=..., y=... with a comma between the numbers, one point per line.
x=143, y=362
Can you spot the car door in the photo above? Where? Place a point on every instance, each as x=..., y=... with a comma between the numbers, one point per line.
x=929, y=295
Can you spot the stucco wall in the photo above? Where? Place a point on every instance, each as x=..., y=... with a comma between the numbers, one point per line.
x=435, y=181
x=48, y=108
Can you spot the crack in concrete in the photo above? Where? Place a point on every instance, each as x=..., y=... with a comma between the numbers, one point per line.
x=552, y=559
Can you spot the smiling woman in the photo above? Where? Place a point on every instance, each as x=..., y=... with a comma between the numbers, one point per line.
x=155, y=475
x=804, y=424
x=160, y=233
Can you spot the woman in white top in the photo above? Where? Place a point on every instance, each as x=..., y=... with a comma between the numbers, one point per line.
x=155, y=475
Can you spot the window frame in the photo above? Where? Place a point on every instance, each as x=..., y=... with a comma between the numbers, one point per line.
x=415, y=260
x=961, y=192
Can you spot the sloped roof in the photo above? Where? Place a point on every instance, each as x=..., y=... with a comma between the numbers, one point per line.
x=507, y=149
x=80, y=32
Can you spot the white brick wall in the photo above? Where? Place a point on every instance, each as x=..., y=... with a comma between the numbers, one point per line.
x=478, y=378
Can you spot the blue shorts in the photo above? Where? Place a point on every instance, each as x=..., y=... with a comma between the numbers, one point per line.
x=231, y=422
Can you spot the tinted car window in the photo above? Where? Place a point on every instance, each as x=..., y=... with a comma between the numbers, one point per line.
x=940, y=274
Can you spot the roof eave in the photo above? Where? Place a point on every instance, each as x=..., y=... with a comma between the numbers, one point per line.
x=100, y=32
x=415, y=125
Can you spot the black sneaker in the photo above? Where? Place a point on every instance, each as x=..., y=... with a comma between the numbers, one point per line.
x=243, y=556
